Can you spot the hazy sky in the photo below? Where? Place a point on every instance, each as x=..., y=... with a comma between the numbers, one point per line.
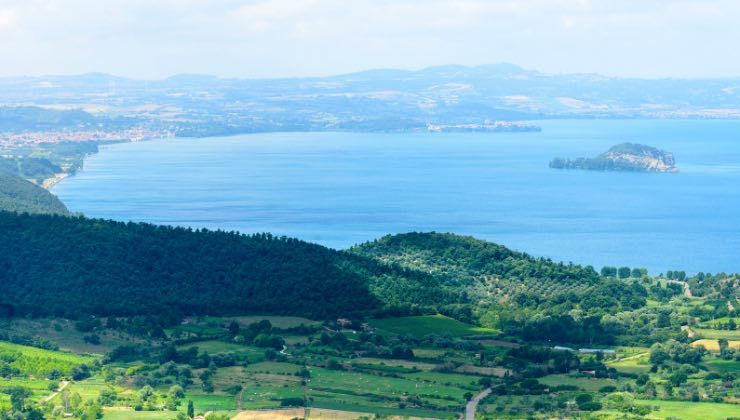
x=274, y=38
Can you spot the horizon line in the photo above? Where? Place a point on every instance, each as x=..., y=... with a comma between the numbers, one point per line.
x=500, y=65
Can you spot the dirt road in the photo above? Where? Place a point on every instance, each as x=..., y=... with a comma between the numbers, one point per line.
x=473, y=404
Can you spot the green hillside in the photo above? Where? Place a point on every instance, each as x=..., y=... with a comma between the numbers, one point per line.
x=35, y=361
x=529, y=296
x=491, y=273
x=19, y=195
x=72, y=266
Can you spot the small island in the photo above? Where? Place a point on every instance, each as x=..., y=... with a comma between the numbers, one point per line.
x=623, y=157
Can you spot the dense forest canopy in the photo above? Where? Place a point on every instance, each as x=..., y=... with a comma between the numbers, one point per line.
x=74, y=266
x=19, y=195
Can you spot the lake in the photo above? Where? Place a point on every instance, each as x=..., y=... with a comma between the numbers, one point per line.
x=339, y=189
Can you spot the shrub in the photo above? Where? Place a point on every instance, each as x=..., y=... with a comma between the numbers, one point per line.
x=590, y=406
x=564, y=388
x=291, y=402
x=583, y=399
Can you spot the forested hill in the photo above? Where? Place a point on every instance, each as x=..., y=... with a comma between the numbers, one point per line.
x=19, y=195
x=70, y=266
x=493, y=275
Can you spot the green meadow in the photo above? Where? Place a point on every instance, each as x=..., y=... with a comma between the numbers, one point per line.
x=692, y=410
x=419, y=326
x=39, y=362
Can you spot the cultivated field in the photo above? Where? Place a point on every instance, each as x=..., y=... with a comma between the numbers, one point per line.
x=419, y=326
x=713, y=345
x=39, y=362
x=692, y=410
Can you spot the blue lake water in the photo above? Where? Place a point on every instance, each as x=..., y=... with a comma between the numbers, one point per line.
x=339, y=189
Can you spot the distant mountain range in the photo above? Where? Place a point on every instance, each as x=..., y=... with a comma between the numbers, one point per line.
x=373, y=100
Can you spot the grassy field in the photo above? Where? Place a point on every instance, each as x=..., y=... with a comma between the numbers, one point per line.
x=449, y=379
x=193, y=329
x=211, y=402
x=253, y=354
x=265, y=384
x=214, y=346
x=63, y=333
x=391, y=362
x=713, y=345
x=715, y=334
x=214, y=323
x=718, y=321
x=628, y=351
x=262, y=397
x=273, y=367
x=419, y=326
x=118, y=414
x=38, y=362
x=633, y=364
x=389, y=387
x=311, y=413
x=429, y=353
x=692, y=410
x=281, y=322
x=500, y=343
x=723, y=365
x=38, y=387
x=587, y=384
x=480, y=370
x=292, y=340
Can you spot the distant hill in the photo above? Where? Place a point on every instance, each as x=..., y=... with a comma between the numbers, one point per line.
x=19, y=195
x=628, y=157
x=373, y=100
x=492, y=275
x=36, y=118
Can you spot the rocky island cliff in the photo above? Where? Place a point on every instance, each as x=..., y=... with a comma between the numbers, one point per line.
x=623, y=157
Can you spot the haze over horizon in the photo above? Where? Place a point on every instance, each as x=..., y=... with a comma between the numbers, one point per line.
x=296, y=38
x=360, y=71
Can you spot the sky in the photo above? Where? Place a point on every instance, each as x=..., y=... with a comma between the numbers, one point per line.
x=151, y=39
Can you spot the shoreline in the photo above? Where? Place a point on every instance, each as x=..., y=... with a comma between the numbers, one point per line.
x=49, y=183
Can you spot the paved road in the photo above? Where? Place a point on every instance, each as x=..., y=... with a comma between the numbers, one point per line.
x=473, y=404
